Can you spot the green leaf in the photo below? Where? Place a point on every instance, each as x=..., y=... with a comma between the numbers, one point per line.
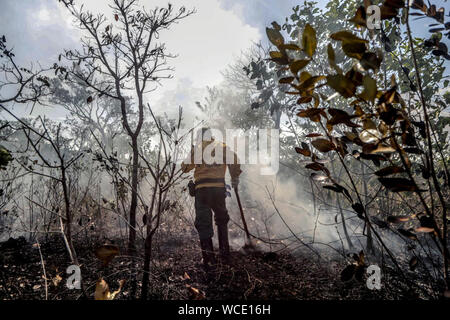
x=5, y=157
x=306, y=99
x=286, y=80
x=275, y=55
x=289, y=46
x=309, y=83
x=354, y=49
x=341, y=84
x=332, y=58
x=323, y=145
x=331, y=55
x=340, y=116
x=370, y=60
x=275, y=36
x=276, y=26
x=305, y=152
x=360, y=17
x=309, y=40
x=312, y=113
x=346, y=36
x=370, y=89
x=296, y=66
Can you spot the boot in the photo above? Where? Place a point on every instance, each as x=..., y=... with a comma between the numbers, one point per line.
x=207, y=253
x=224, y=246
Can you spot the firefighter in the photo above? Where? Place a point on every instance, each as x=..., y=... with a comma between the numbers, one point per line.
x=210, y=192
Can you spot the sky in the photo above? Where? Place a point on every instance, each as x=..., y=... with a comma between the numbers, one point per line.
x=205, y=42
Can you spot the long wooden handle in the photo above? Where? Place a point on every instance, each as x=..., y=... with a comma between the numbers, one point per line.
x=242, y=213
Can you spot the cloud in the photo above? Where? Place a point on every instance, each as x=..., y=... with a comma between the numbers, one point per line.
x=184, y=94
x=260, y=13
x=205, y=42
x=37, y=30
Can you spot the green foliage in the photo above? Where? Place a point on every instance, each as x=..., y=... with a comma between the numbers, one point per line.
x=5, y=158
x=351, y=92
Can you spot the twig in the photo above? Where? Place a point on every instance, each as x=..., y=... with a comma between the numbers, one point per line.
x=37, y=245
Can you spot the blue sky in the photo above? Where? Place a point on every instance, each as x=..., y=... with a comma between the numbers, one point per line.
x=260, y=13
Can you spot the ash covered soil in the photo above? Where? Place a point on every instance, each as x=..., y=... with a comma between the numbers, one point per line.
x=177, y=273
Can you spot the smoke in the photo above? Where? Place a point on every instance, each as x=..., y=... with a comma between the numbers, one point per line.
x=280, y=210
x=279, y=207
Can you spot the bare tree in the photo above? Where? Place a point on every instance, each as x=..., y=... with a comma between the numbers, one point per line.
x=19, y=84
x=48, y=154
x=123, y=57
x=165, y=175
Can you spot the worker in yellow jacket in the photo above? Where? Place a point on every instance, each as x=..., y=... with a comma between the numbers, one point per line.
x=210, y=192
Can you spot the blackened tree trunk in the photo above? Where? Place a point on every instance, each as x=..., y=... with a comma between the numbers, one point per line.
x=134, y=198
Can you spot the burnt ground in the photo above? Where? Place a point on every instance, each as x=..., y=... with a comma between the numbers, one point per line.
x=177, y=274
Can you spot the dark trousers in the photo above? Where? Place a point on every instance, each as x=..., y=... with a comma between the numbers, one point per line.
x=207, y=200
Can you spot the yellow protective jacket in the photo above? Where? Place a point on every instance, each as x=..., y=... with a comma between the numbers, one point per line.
x=211, y=175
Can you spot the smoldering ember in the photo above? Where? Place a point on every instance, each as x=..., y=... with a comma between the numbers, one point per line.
x=254, y=151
